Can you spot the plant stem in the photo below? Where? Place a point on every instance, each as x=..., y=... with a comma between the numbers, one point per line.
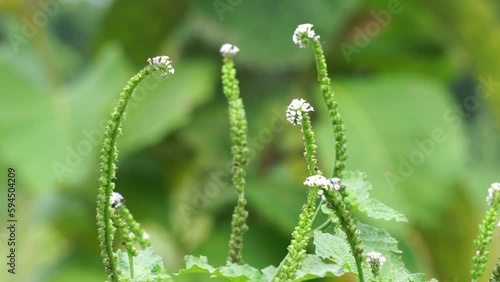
x=317, y=212
x=131, y=264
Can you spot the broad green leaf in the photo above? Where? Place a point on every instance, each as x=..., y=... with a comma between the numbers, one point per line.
x=148, y=266
x=162, y=106
x=358, y=186
x=265, y=39
x=377, y=239
x=334, y=248
x=196, y=265
x=268, y=272
x=402, y=132
x=314, y=267
x=240, y=273
x=58, y=126
x=232, y=272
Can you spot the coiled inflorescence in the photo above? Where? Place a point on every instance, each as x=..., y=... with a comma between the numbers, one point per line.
x=303, y=36
x=109, y=156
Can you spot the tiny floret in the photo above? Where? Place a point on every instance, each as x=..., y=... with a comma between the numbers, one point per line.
x=493, y=193
x=295, y=109
x=337, y=184
x=162, y=63
x=303, y=33
x=317, y=181
x=116, y=200
x=229, y=50
x=375, y=258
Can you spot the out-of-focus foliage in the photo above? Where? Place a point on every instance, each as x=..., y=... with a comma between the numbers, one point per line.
x=417, y=90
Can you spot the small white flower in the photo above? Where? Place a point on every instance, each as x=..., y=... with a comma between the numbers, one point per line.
x=321, y=193
x=492, y=193
x=317, y=181
x=337, y=183
x=131, y=235
x=295, y=109
x=229, y=50
x=116, y=200
x=145, y=235
x=164, y=61
x=303, y=33
x=375, y=258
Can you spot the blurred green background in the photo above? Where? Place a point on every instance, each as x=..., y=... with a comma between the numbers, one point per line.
x=416, y=82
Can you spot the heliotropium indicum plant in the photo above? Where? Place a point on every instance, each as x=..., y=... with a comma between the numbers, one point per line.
x=342, y=244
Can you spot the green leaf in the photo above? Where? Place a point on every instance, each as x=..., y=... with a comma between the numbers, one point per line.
x=161, y=106
x=334, y=248
x=59, y=126
x=197, y=265
x=377, y=239
x=359, y=197
x=240, y=273
x=314, y=267
x=231, y=272
x=390, y=121
x=148, y=266
x=268, y=272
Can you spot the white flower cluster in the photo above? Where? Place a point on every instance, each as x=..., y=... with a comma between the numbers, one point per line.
x=324, y=183
x=295, y=109
x=317, y=181
x=162, y=60
x=229, y=50
x=303, y=33
x=492, y=193
x=375, y=258
x=116, y=200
